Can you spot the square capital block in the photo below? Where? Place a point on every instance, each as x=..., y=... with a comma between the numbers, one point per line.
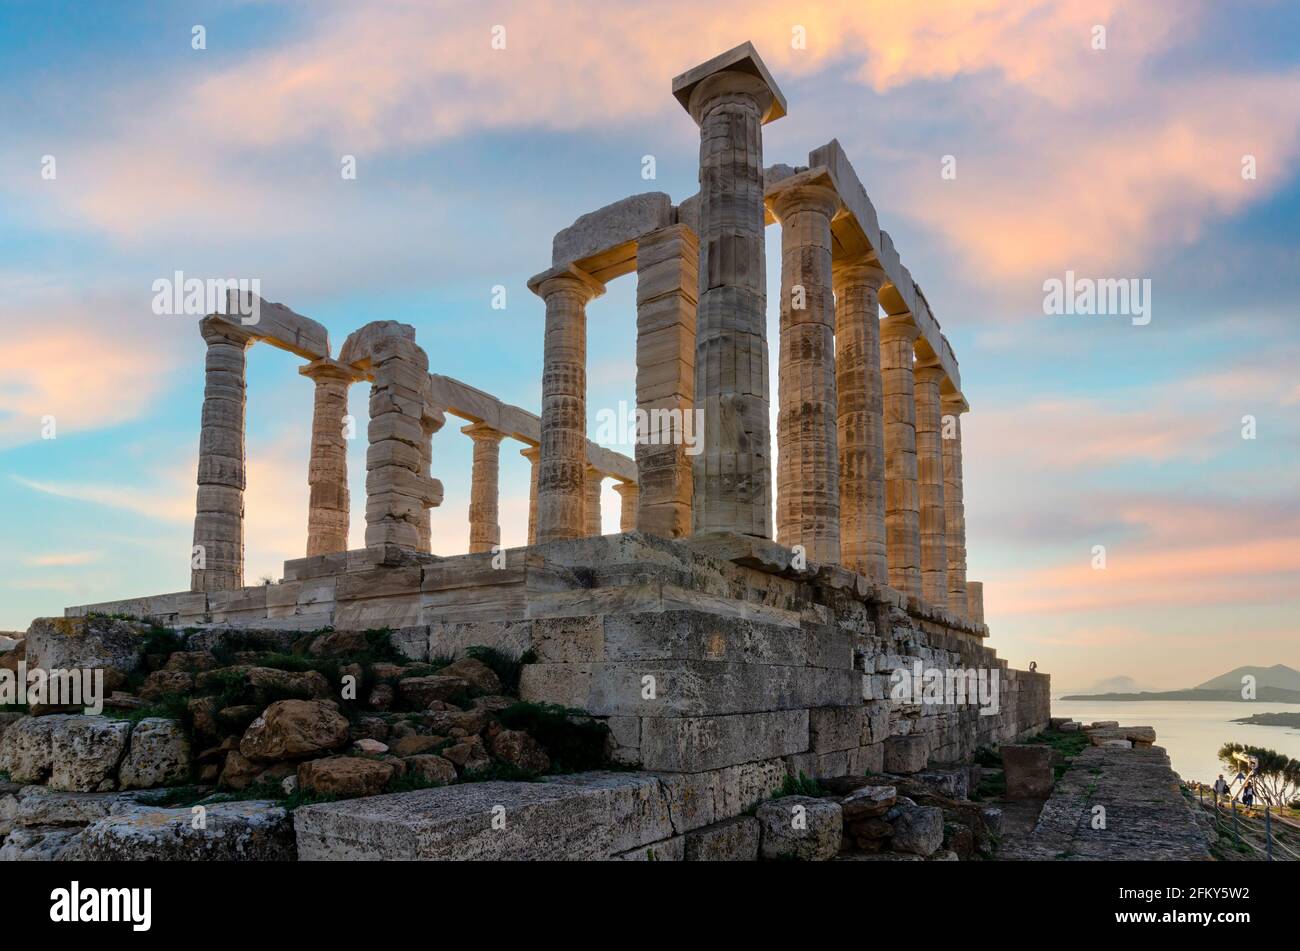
x=743, y=59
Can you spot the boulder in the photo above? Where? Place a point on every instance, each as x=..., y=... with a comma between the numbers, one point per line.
x=25, y=748
x=418, y=692
x=11, y=659
x=159, y=755
x=445, y=721
x=85, y=752
x=294, y=729
x=917, y=829
x=203, y=715
x=40, y=844
x=868, y=802
x=239, y=772
x=479, y=675
x=338, y=644
x=370, y=747
x=96, y=642
x=228, y=831
x=381, y=697
x=162, y=682
x=191, y=661
x=469, y=755
x=304, y=684
x=344, y=776
x=415, y=744
x=800, y=827
x=520, y=750
x=430, y=768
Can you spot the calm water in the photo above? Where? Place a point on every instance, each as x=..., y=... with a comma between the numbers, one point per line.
x=1192, y=731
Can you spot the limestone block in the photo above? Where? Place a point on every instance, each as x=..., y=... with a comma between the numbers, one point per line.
x=692, y=744
x=732, y=840
x=233, y=831
x=1028, y=770
x=603, y=232
x=85, y=752
x=26, y=748
x=800, y=827
x=159, y=755
x=41, y=806
x=115, y=645
x=836, y=728
x=917, y=829
x=867, y=759
x=906, y=754
x=40, y=844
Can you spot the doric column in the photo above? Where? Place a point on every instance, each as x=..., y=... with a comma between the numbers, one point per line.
x=591, y=481
x=807, y=480
x=929, y=470
x=560, y=479
x=533, y=454
x=902, y=505
x=484, y=507
x=975, y=601
x=630, y=493
x=730, y=97
x=954, y=507
x=667, y=284
x=861, y=422
x=327, y=472
x=219, y=512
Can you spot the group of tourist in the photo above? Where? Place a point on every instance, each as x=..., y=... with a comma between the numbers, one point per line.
x=1247, y=792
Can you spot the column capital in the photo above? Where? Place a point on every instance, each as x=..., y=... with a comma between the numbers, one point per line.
x=859, y=272
x=217, y=329
x=532, y=453
x=812, y=190
x=622, y=488
x=929, y=373
x=482, y=432
x=899, y=327
x=953, y=404
x=327, y=370
x=566, y=278
x=738, y=70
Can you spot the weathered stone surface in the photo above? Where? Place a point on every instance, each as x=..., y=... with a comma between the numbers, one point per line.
x=836, y=728
x=41, y=806
x=732, y=840
x=85, y=752
x=800, y=827
x=418, y=692
x=159, y=755
x=1028, y=770
x=479, y=675
x=294, y=729
x=430, y=768
x=232, y=831
x=25, y=748
x=344, y=776
x=162, y=682
x=605, y=231
x=583, y=816
x=40, y=844
x=669, y=850
x=917, y=829
x=868, y=802
x=691, y=744
x=519, y=749
x=116, y=646
x=906, y=754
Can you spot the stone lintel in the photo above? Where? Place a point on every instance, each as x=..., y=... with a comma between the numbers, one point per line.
x=276, y=324
x=740, y=59
x=603, y=242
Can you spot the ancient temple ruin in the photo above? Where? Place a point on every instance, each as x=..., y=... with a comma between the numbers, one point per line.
x=770, y=646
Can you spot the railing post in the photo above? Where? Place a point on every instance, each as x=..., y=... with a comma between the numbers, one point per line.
x=1268, y=833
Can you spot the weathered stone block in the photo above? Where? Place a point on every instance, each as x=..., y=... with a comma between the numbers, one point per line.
x=1028, y=770
x=732, y=840
x=693, y=744
x=232, y=831
x=906, y=754
x=800, y=827
x=836, y=728
x=85, y=752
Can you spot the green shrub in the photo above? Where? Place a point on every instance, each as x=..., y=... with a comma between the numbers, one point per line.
x=573, y=740
x=506, y=668
x=800, y=785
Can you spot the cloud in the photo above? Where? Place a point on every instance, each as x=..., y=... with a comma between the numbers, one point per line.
x=62, y=559
x=165, y=502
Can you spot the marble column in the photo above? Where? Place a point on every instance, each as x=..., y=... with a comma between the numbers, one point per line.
x=591, y=481
x=327, y=473
x=484, y=505
x=628, y=516
x=861, y=422
x=807, y=480
x=730, y=98
x=929, y=470
x=219, y=508
x=954, y=507
x=533, y=454
x=902, y=505
x=975, y=601
x=560, y=478
x=667, y=284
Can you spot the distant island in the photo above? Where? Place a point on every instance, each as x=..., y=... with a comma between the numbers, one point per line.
x=1276, y=684
x=1271, y=719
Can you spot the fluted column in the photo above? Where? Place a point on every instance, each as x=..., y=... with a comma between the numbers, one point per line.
x=219, y=508
x=630, y=493
x=929, y=471
x=484, y=504
x=975, y=601
x=560, y=479
x=733, y=473
x=807, y=482
x=327, y=473
x=902, y=504
x=592, y=479
x=861, y=423
x=954, y=506
x=533, y=454
x=667, y=285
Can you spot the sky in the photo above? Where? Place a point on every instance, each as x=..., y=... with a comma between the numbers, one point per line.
x=1157, y=141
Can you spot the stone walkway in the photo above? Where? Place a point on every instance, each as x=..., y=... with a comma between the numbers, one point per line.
x=1145, y=814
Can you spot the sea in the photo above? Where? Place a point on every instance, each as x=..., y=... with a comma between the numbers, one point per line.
x=1192, y=731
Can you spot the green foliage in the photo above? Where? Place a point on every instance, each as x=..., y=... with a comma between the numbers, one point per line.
x=800, y=785
x=990, y=787
x=506, y=668
x=163, y=641
x=1069, y=745
x=573, y=740
x=986, y=756
x=1277, y=780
